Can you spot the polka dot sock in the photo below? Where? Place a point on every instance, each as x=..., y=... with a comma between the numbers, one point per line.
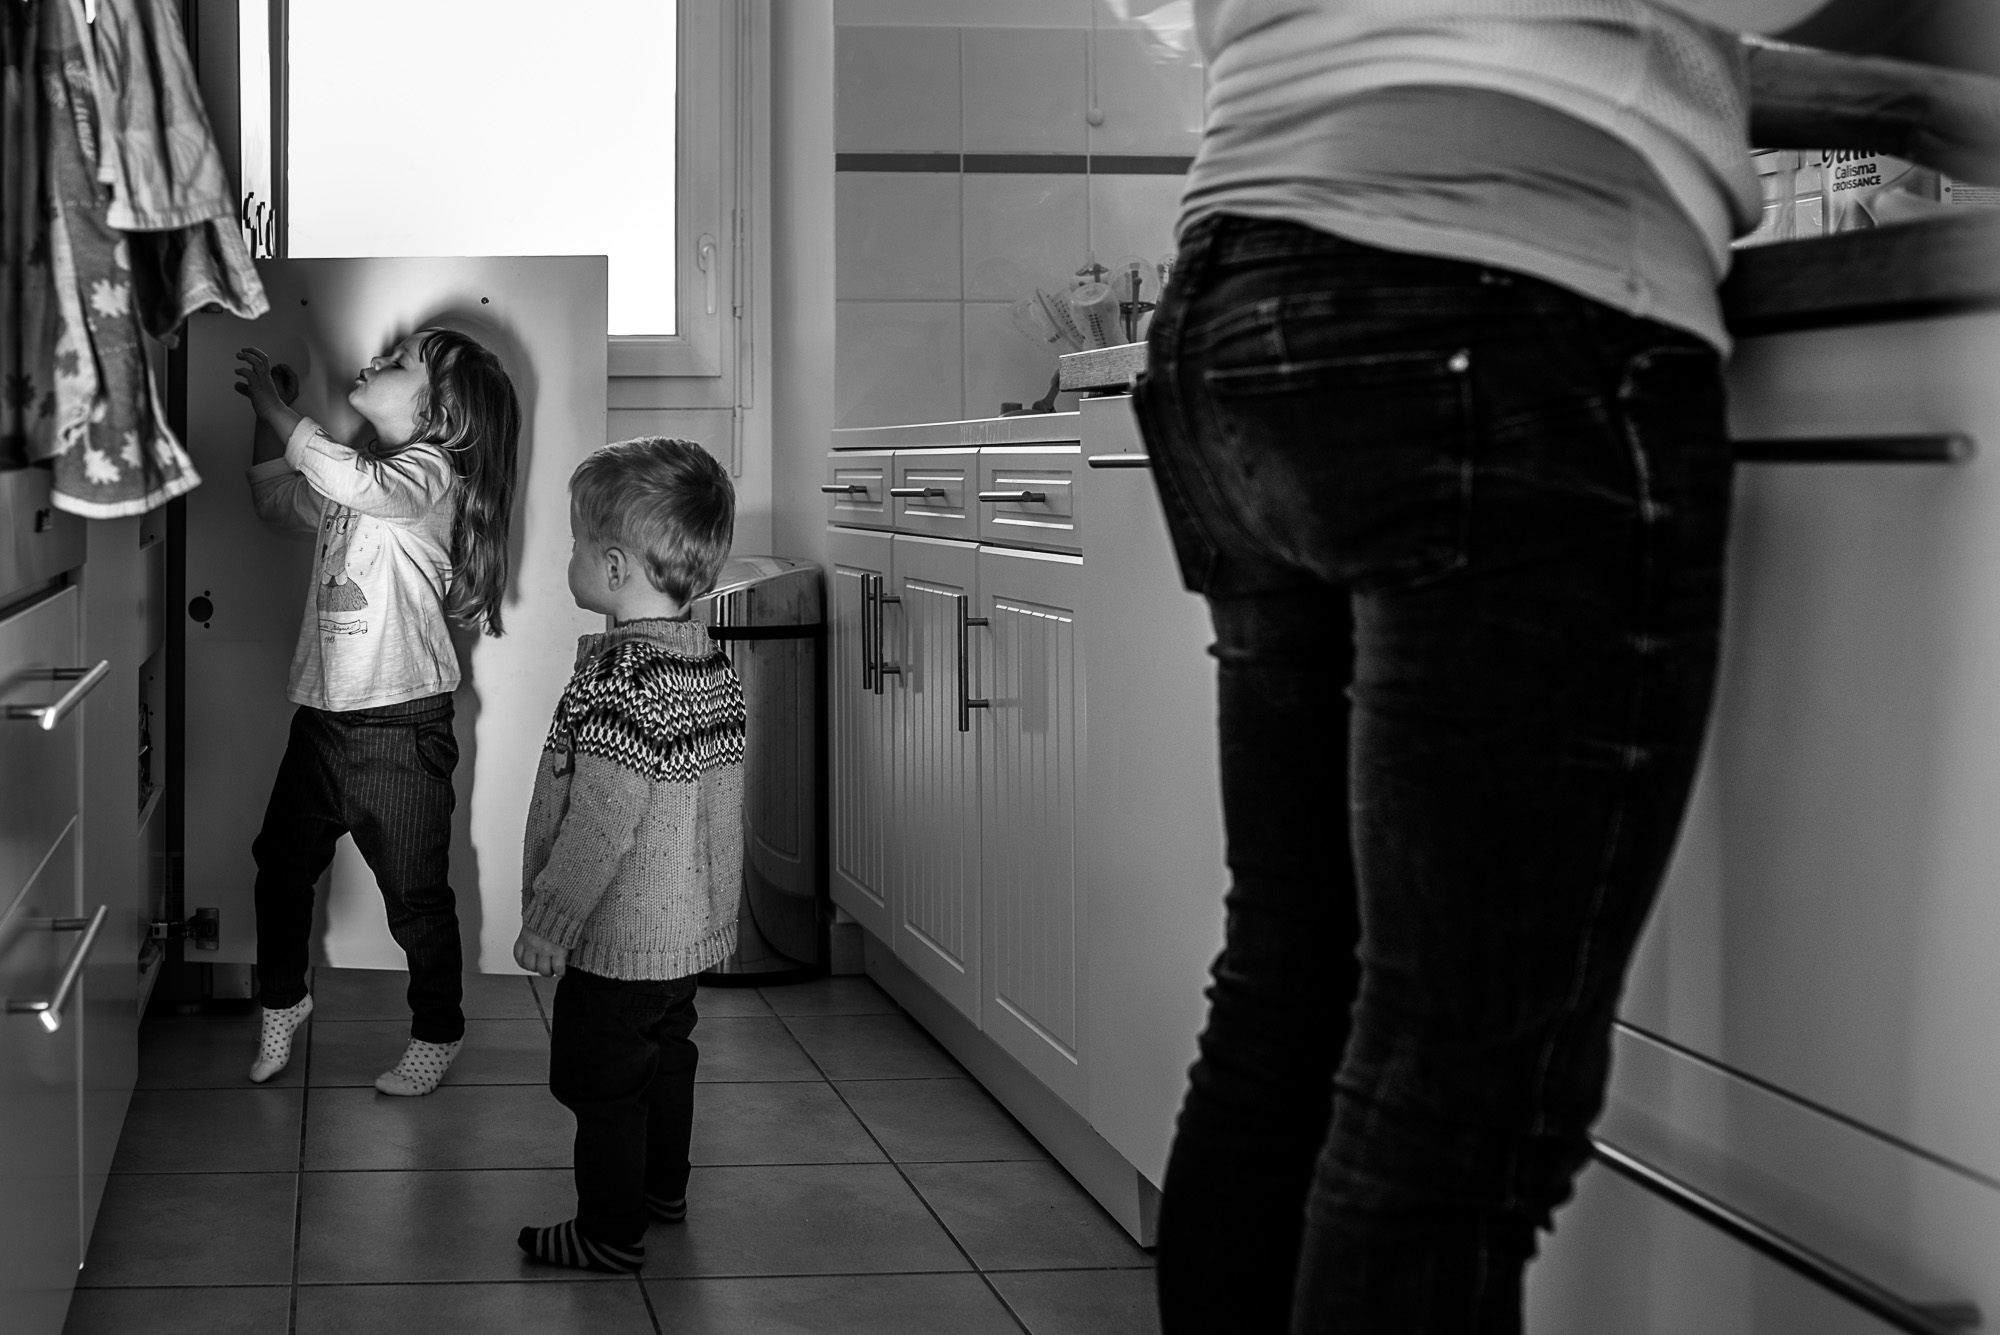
x=274, y=1043
x=422, y=1066
x=666, y=1211
x=561, y=1244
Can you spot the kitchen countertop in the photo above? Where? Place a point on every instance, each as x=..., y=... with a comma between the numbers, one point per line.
x=1941, y=266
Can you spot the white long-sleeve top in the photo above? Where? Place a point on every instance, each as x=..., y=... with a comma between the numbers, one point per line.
x=374, y=630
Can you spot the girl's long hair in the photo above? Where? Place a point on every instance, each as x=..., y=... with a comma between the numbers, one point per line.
x=472, y=412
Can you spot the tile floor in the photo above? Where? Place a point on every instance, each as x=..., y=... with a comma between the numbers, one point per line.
x=849, y=1177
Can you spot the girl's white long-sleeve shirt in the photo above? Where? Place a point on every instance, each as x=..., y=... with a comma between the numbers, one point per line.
x=374, y=630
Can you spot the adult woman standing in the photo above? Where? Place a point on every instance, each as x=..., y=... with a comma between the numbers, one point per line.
x=1436, y=413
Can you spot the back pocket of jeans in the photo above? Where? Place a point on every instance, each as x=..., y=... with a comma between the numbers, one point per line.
x=1359, y=468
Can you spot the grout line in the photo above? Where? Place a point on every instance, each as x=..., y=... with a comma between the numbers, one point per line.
x=647, y=1299
x=299, y=1174
x=907, y=1182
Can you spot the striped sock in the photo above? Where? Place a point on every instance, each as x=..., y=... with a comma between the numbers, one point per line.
x=561, y=1244
x=667, y=1211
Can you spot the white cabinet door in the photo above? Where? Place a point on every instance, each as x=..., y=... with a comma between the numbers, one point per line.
x=1031, y=736
x=1152, y=804
x=936, y=900
x=40, y=1185
x=859, y=718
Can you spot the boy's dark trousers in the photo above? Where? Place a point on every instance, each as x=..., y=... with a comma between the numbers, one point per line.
x=621, y=1059
x=384, y=776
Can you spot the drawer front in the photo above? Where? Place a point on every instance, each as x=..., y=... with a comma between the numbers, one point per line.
x=933, y=492
x=37, y=541
x=1028, y=496
x=857, y=488
x=38, y=767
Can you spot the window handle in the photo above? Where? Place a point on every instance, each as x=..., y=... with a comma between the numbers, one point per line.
x=704, y=259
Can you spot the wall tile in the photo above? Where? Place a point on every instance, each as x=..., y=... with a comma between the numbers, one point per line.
x=897, y=235
x=1001, y=364
x=896, y=90
x=1022, y=231
x=897, y=361
x=1150, y=95
x=1133, y=217
x=1024, y=90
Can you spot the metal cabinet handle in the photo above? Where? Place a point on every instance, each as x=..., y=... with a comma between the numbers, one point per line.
x=1024, y=496
x=1947, y=1318
x=918, y=492
x=49, y=1012
x=843, y=489
x=867, y=631
x=966, y=704
x=1119, y=461
x=883, y=668
x=86, y=679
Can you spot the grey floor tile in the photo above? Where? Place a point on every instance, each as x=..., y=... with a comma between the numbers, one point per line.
x=938, y=1121
x=261, y=1311
x=716, y=1002
x=195, y=1229
x=1024, y=1216
x=495, y=1052
x=750, y=1048
x=831, y=1305
x=871, y=1047
x=1082, y=1302
x=851, y=995
x=249, y=1130
x=379, y=994
x=843, y=1219
x=454, y=1126
x=428, y=1228
x=777, y=1122
x=209, y=1052
x=555, y=1308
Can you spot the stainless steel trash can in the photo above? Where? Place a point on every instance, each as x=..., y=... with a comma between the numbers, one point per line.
x=767, y=613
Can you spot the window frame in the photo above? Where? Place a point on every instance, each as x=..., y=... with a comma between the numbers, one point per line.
x=707, y=251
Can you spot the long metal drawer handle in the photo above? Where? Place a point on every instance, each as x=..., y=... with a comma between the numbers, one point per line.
x=1023, y=496
x=843, y=489
x=86, y=679
x=917, y=493
x=1950, y=1318
x=1950, y=447
x=966, y=704
x=867, y=631
x=1119, y=461
x=884, y=669
x=50, y=1011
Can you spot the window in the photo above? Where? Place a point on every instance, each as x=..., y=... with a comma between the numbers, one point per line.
x=495, y=127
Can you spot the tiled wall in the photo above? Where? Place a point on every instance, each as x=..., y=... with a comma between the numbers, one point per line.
x=968, y=174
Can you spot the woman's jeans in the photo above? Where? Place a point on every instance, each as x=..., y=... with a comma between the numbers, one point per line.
x=1461, y=533
x=384, y=776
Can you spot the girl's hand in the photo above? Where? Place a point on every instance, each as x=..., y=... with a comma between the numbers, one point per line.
x=538, y=954
x=266, y=384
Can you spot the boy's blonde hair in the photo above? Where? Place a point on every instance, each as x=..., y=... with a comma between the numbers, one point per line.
x=664, y=500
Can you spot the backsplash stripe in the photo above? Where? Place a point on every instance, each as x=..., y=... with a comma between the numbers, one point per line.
x=1058, y=164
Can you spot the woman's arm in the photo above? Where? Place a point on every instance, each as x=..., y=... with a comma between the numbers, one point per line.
x=1804, y=98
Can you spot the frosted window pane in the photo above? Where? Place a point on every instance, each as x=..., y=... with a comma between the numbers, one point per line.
x=489, y=127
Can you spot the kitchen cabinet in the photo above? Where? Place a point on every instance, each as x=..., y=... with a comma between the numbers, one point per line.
x=861, y=744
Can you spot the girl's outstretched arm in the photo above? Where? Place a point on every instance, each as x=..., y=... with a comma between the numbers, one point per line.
x=270, y=390
x=1805, y=98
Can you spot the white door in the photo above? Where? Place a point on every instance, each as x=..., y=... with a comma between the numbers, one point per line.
x=1031, y=743
x=937, y=770
x=859, y=714
x=246, y=583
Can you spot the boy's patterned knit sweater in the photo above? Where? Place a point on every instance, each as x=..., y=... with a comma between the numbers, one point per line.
x=633, y=859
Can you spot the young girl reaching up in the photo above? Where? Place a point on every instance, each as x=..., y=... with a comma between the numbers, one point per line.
x=412, y=525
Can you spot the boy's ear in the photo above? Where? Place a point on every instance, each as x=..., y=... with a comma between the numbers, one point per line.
x=614, y=568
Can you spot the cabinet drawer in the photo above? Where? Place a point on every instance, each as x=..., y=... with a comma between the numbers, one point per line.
x=39, y=542
x=38, y=767
x=1028, y=496
x=857, y=488
x=933, y=492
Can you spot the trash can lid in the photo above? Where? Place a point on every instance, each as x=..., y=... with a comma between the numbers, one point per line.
x=762, y=591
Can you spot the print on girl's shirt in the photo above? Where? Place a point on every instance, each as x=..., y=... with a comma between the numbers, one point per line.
x=348, y=553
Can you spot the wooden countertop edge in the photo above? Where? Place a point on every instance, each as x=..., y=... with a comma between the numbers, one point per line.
x=1941, y=266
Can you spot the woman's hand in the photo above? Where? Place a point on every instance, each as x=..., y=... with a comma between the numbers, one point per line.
x=266, y=384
